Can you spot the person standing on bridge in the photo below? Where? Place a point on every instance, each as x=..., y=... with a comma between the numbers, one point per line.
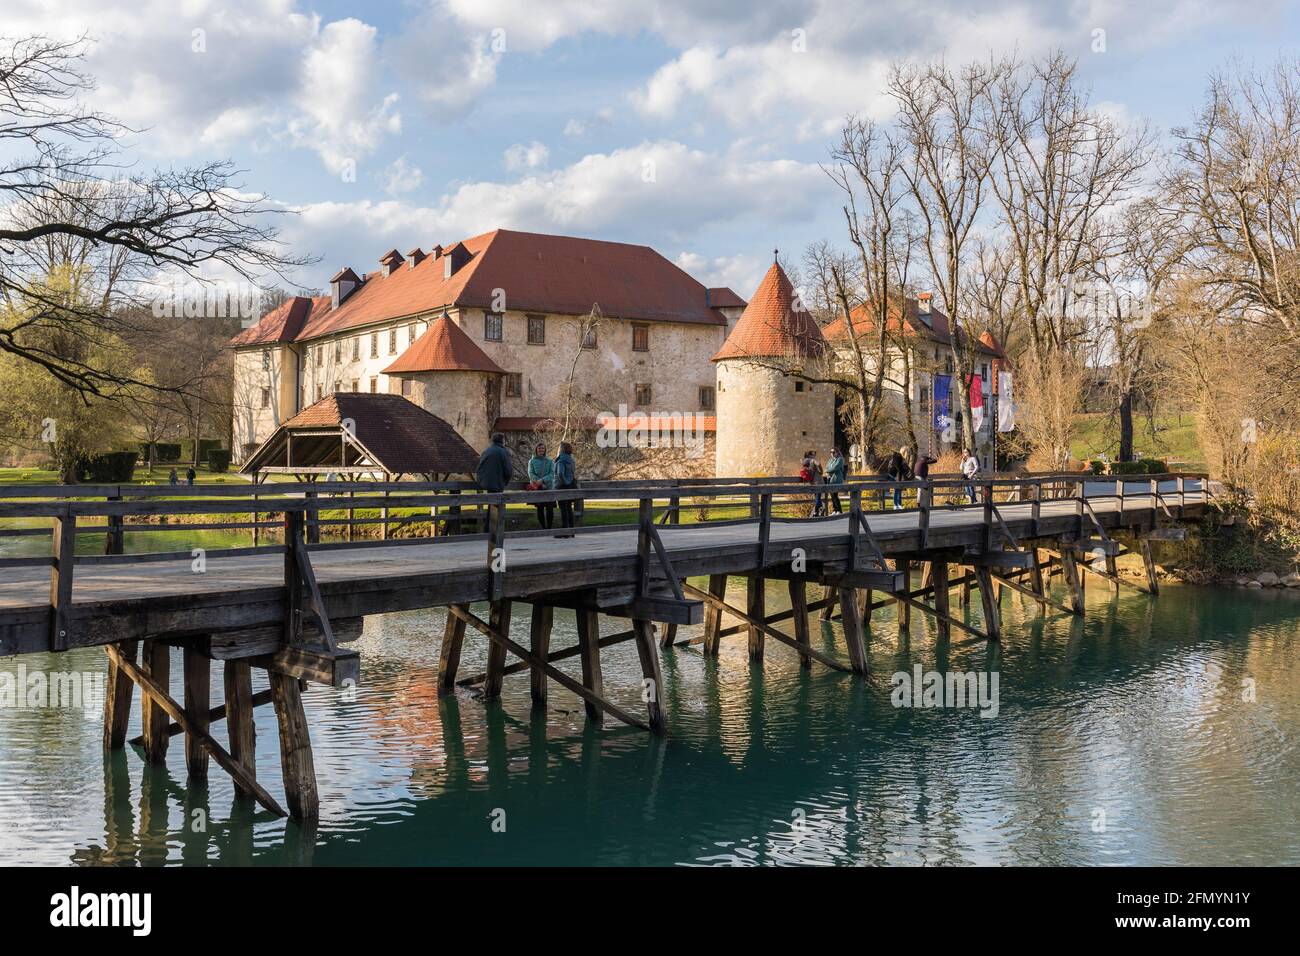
x=836, y=472
x=810, y=470
x=541, y=477
x=565, y=478
x=970, y=467
x=494, y=468
x=190, y=475
x=896, y=469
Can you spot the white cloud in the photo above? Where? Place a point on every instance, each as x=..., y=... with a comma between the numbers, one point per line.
x=532, y=156
x=740, y=273
x=603, y=195
x=401, y=176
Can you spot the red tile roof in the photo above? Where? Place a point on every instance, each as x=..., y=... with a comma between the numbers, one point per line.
x=721, y=297
x=283, y=323
x=556, y=274
x=932, y=325
x=444, y=347
x=771, y=326
x=402, y=436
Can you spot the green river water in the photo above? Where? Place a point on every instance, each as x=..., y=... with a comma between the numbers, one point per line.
x=1152, y=731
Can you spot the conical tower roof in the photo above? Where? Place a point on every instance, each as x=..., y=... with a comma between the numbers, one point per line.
x=774, y=325
x=444, y=347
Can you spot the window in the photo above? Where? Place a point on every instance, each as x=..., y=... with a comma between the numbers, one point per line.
x=406, y=388
x=319, y=393
x=706, y=397
x=589, y=337
x=266, y=398
x=411, y=334
x=947, y=365
x=374, y=346
x=984, y=375
x=492, y=326
x=392, y=341
x=640, y=338
x=374, y=384
x=644, y=395
x=514, y=385
x=798, y=385
x=338, y=350
x=355, y=383
x=320, y=355
x=266, y=359
x=356, y=350
x=537, y=330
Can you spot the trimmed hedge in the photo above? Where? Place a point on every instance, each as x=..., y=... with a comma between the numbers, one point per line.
x=1143, y=466
x=205, y=445
x=110, y=467
x=163, y=452
x=218, y=459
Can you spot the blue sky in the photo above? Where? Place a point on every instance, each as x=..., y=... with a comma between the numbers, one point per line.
x=694, y=127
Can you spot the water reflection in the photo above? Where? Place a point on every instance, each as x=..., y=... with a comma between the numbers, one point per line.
x=1132, y=716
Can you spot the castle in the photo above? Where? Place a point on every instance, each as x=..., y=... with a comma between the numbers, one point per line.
x=529, y=334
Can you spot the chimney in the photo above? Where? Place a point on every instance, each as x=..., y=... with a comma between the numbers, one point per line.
x=343, y=284
x=923, y=300
x=415, y=257
x=391, y=260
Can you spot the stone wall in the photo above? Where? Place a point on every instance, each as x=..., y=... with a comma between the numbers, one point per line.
x=766, y=424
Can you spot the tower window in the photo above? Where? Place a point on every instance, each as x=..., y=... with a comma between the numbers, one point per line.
x=492, y=326
x=644, y=395
x=799, y=385
x=514, y=385
x=706, y=397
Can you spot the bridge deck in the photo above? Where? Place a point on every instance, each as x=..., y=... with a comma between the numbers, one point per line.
x=112, y=602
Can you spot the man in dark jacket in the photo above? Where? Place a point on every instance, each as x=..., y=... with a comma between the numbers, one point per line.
x=494, y=468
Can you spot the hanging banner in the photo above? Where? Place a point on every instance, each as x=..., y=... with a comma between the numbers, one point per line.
x=942, y=413
x=1006, y=405
x=976, y=403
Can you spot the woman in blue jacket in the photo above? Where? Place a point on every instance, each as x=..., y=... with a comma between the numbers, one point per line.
x=541, y=477
x=566, y=477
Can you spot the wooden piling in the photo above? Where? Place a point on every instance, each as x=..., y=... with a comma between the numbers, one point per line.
x=453, y=638
x=198, y=700
x=295, y=747
x=651, y=675
x=539, y=637
x=939, y=574
x=1149, y=563
x=904, y=609
x=989, y=601
x=830, y=595
x=713, y=615
x=499, y=621
x=1073, y=579
x=853, y=630
x=240, y=726
x=589, y=642
x=156, y=663
x=799, y=611
x=117, y=698
x=755, y=607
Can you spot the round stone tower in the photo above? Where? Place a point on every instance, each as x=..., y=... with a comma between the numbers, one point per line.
x=768, y=417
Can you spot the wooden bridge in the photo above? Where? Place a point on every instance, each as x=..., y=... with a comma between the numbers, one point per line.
x=289, y=607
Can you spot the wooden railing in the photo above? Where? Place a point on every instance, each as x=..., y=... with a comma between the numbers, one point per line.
x=72, y=509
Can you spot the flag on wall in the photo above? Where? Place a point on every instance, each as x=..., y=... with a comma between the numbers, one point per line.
x=976, y=402
x=942, y=413
x=1006, y=406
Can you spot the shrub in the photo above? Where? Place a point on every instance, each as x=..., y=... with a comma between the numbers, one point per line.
x=1098, y=466
x=218, y=459
x=110, y=467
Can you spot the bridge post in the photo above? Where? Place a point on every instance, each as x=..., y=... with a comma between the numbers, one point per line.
x=852, y=625
x=989, y=601
x=197, y=672
x=904, y=610
x=651, y=675
x=755, y=601
x=499, y=621
x=156, y=664
x=939, y=575
x=713, y=615
x=453, y=637
x=240, y=726
x=117, y=698
x=1149, y=563
x=296, y=762
x=539, y=635
x=830, y=595
x=1073, y=579
x=589, y=644
x=799, y=610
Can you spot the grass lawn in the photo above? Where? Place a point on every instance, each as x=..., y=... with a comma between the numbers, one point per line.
x=45, y=476
x=1175, y=440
